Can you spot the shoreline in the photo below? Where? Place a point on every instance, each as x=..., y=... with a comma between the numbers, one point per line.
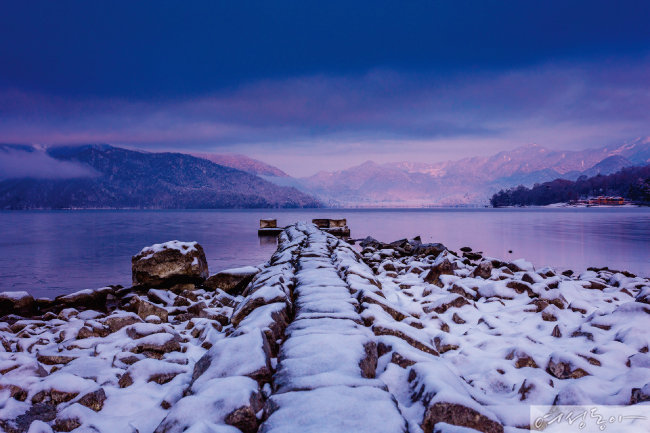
x=383, y=323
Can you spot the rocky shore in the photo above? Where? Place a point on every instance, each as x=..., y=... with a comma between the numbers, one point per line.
x=399, y=337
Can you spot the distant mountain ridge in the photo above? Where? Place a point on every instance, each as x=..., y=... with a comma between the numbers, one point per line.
x=133, y=179
x=469, y=180
x=106, y=176
x=243, y=163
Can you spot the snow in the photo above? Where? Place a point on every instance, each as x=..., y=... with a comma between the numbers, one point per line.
x=244, y=270
x=523, y=265
x=242, y=355
x=352, y=350
x=14, y=296
x=182, y=247
x=335, y=409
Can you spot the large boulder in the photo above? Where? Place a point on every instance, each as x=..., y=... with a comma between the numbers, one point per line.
x=168, y=264
x=19, y=303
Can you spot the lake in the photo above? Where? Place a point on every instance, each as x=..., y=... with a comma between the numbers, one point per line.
x=48, y=253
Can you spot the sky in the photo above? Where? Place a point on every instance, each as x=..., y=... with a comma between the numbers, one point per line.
x=311, y=86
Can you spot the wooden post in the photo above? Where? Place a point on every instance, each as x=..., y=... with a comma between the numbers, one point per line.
x=268, y=224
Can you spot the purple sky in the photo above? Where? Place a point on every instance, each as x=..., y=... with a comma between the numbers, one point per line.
x=310, y=99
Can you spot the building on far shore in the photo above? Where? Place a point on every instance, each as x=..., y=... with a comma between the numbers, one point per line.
x=606, y=201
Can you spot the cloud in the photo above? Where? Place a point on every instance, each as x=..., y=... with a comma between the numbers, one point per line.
x=346, y=119
x=23, y=162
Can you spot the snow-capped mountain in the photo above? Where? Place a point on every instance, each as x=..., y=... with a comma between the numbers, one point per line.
x=468, y=180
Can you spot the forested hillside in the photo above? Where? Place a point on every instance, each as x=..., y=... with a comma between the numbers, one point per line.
x=632, y=183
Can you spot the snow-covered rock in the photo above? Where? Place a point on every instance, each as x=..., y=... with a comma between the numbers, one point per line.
x=169, y=263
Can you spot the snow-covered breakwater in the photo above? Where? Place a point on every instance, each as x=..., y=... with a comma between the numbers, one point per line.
x=402, y=337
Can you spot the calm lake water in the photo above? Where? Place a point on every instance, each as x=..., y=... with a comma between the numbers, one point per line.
x=48, y=253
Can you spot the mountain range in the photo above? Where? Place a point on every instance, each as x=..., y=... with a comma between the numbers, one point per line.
x=469, y=180
x=102, y=176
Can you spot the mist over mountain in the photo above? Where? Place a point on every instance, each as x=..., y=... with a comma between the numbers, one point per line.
x=113, y=177
x=21, y=161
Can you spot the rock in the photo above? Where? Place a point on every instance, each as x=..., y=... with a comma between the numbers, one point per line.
x=483, y=270
x=66, y=424
x=168, y=264
x=443, y=347
x=446, y=303
x=445, y=267
x=245, y=417
x=556, y=332
x=457, y=319
x=119, y=321
x=461, y=291
x=564, y=370
x=158, y=343
x=253, y=302
x=527, y=278
x=234, y=401
x=88, y=332
x=368, y=364
x=403, y=362
x=431, y=249
x=152, y=319
x=242, y=355
x=145, y=308
x=45, y=412
x=372, y=298
x=54, y=396
x=19, y=303
x=55, y=359
x=15, y=391
x=640, y=395
x=596, y=285
x=94, y=400
x=162, y=378
x=371, y=242
x=548, y=317
x=473, y=256
x=458, y=415
x=84, y=299
x=137, y=331
x=382, y=330
x=524, y=389
x=181, y=301
x=525, y=361
x=232, y=281
x=160, y=296
x=644, y=295
x=125, y=381
x=197, y=308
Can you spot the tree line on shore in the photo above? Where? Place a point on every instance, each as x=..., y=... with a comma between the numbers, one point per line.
x=631, y=183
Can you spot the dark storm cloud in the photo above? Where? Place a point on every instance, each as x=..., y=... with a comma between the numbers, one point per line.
x=171, y=48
